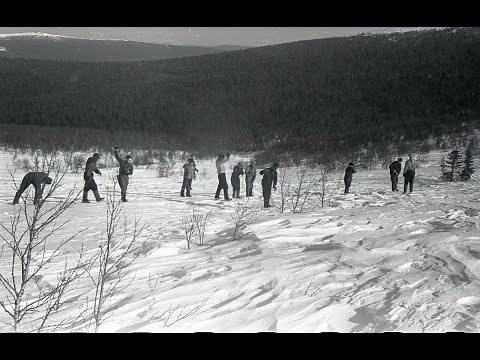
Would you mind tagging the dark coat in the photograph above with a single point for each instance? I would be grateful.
(395, 168)
(91, 167)
(349, 171)
(37, 178)
(266, 184)
(272, 176)
(125, 167)
(235, 178)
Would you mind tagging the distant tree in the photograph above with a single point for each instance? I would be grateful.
(468, 168)
(444, 170)
(166, 163)
(78, 162)
(454, 164)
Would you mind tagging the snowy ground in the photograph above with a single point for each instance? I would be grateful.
(374, 261)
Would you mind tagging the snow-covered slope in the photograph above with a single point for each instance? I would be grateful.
(373, 261)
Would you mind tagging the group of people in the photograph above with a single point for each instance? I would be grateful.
(39, 178)
(395, 169)
(269, 180)
(125, 169)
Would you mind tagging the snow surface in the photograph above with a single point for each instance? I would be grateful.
(374, 261)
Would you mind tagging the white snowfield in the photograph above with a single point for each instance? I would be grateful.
(374, 261)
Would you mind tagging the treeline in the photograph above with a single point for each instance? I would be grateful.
(327, 95)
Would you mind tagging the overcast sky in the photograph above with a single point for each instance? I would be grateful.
(204, 36)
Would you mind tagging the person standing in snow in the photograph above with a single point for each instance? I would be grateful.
(37, 179)
(349, 171)
(250, 174)
(408, 173)
(395, 168)
(90, 184)
(222, 179)
(266, 187)
(235, 179)
(188, 176)
(272, 175)
(125, 169)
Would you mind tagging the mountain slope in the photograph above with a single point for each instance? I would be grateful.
(313, 95)
(56, 47)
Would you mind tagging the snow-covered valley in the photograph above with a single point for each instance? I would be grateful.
(372, 261)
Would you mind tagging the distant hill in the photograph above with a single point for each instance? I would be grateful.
(318, 95)
(55, 47)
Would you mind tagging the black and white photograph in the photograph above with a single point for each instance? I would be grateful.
(243, 179)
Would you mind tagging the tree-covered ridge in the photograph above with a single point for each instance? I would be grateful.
(307, 95)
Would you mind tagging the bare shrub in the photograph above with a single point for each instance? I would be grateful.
(283, 183)
(30, 255)
(143, 157)
(315, 287)
(300, 190)
(78, 162)
(178, 313)
(324, 186)
(118, 249)
(243, 216)
(24, 164)
(194, 224)
(154, 283)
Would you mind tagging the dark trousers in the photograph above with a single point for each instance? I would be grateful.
(222, 184)
(236, 187)
(26, 182)
(348, 182)
(187, 184)
(409, 177)
(266, 196)
(90, 183)
(123, 182)
(235, 180)
(394, 179)
(249, 187)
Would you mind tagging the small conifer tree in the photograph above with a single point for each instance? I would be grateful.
(443, 169)
(454, 164)
(468, 168)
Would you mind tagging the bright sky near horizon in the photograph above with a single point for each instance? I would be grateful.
(205, 36)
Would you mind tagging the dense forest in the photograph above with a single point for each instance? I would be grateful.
(310, 96)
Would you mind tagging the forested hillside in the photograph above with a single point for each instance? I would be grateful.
(310, 95)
